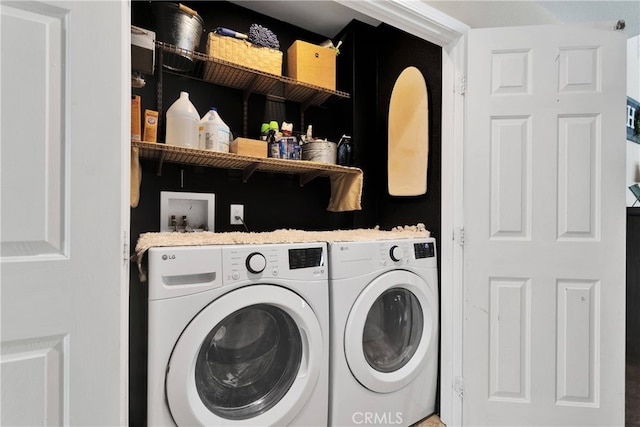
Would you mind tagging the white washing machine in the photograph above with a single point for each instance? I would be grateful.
(238, 335)
(384, 331)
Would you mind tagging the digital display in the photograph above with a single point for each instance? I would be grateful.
(424, 250)
(305, 258)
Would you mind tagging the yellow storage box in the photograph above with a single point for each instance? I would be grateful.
(312, 64)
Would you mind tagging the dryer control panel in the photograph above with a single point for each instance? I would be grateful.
(349, 259)
(400, 253)
(424, 250)
(411, 252)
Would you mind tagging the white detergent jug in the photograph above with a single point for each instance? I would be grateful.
(182, 123)
(214, 132)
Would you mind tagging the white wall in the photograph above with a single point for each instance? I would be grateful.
(633, 90)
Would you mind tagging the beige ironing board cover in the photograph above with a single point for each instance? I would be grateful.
(408, 135)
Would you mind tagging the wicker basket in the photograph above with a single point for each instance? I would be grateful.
(244, 53)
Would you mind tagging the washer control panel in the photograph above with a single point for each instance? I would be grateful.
(255, 262)
(286, 261)
(306, 257)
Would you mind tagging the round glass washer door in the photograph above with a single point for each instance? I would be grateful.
(390, 328)
(251, 357)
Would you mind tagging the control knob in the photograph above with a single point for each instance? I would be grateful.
(256, 263)
(395, 253)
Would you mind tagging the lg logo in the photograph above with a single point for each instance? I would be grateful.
(166, 257)
(375, 418)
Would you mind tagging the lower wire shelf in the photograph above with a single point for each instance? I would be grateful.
(307, 170)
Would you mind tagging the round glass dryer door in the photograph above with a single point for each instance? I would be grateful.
(249, 358)
(390, 328)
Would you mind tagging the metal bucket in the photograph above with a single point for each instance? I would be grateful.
(320, 151)
(180, 26)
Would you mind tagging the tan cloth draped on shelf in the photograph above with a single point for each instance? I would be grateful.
(346, 192)
(136, 177)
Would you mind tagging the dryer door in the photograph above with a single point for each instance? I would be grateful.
(251, 357)
(391, 331)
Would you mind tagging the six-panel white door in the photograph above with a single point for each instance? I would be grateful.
(64, 196)
(544, 277)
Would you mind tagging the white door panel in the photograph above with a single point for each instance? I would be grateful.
(544, 227)
(64, 119)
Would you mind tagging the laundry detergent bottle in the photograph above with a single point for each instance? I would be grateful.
(214, 132)
(182, 123)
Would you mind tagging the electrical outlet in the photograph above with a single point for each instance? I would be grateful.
(237, 211)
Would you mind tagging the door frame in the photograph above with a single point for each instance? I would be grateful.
(432, 25)
(57, 339)
(125, 210)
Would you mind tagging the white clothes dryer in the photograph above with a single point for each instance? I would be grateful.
(238, 335)
(384, 331)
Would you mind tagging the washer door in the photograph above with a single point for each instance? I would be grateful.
(251, 357)
(389, 331)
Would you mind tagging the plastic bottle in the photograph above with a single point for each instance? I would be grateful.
(214, 132)
(182, 123)
(309, 134)
(345, 151)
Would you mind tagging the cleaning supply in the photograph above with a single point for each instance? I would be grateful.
(309, 135)
(150, 132)
(345, 151)
(287, 129)
(136, 133)
(264, 131)
(273, 145)
(182, 123)
(273, 126)
(214, 132)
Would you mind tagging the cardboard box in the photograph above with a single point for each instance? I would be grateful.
(249, 147)
(136, 118)
(150, 130)
(312, 64)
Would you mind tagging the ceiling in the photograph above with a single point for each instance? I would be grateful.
(327, 17)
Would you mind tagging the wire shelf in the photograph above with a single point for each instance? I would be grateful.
(190, 156)
(213, 70)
